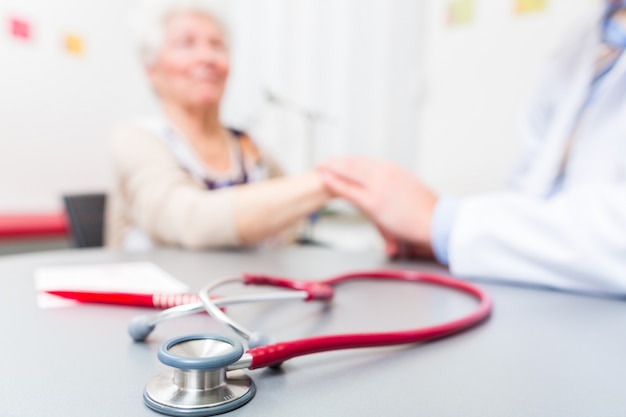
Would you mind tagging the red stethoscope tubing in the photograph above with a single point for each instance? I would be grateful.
(279, 352)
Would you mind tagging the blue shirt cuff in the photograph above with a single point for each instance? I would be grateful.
(441, 227)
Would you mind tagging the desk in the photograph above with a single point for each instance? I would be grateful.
(541, 353)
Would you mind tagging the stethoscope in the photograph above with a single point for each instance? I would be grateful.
(205, 376)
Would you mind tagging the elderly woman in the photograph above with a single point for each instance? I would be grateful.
(183, 178)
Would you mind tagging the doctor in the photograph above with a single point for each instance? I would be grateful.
(563, 223)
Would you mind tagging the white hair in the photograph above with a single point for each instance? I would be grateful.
(148, 20)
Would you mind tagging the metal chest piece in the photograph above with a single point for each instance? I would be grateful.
(198, 384)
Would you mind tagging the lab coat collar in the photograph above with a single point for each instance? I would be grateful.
(577, 59)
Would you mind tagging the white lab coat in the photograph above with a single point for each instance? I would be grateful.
(574, 239)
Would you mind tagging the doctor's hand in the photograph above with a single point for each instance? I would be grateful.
(398, 203)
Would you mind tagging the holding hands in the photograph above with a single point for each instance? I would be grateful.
(398, 203)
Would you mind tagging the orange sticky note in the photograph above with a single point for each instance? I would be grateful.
(529, 6)
(74, 44)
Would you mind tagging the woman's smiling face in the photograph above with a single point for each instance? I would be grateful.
(192, 66)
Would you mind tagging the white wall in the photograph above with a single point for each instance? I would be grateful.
(387, 77)
(353, 61)
(478, 79)
(57, 109)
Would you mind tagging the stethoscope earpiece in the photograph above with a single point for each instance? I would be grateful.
(258, 339)
(198, 383)
(140, 327)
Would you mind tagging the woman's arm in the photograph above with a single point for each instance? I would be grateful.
(168, 205)
(266, 208)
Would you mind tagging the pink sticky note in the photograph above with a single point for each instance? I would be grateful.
(20, 28)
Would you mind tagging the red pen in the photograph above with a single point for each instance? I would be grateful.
(160, 301)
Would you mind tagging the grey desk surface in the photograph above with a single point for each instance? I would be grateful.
(541, 354)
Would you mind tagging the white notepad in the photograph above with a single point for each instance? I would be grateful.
(131, 277)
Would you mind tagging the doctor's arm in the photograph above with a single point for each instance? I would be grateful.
(574, 241)
(399, 204)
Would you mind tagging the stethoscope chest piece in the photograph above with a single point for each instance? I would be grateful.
(198, 384)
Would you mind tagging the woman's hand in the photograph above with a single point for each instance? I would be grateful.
(398, 203)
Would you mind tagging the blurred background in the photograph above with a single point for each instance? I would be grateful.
(435, 85)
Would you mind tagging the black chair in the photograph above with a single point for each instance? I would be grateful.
(85, 213)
